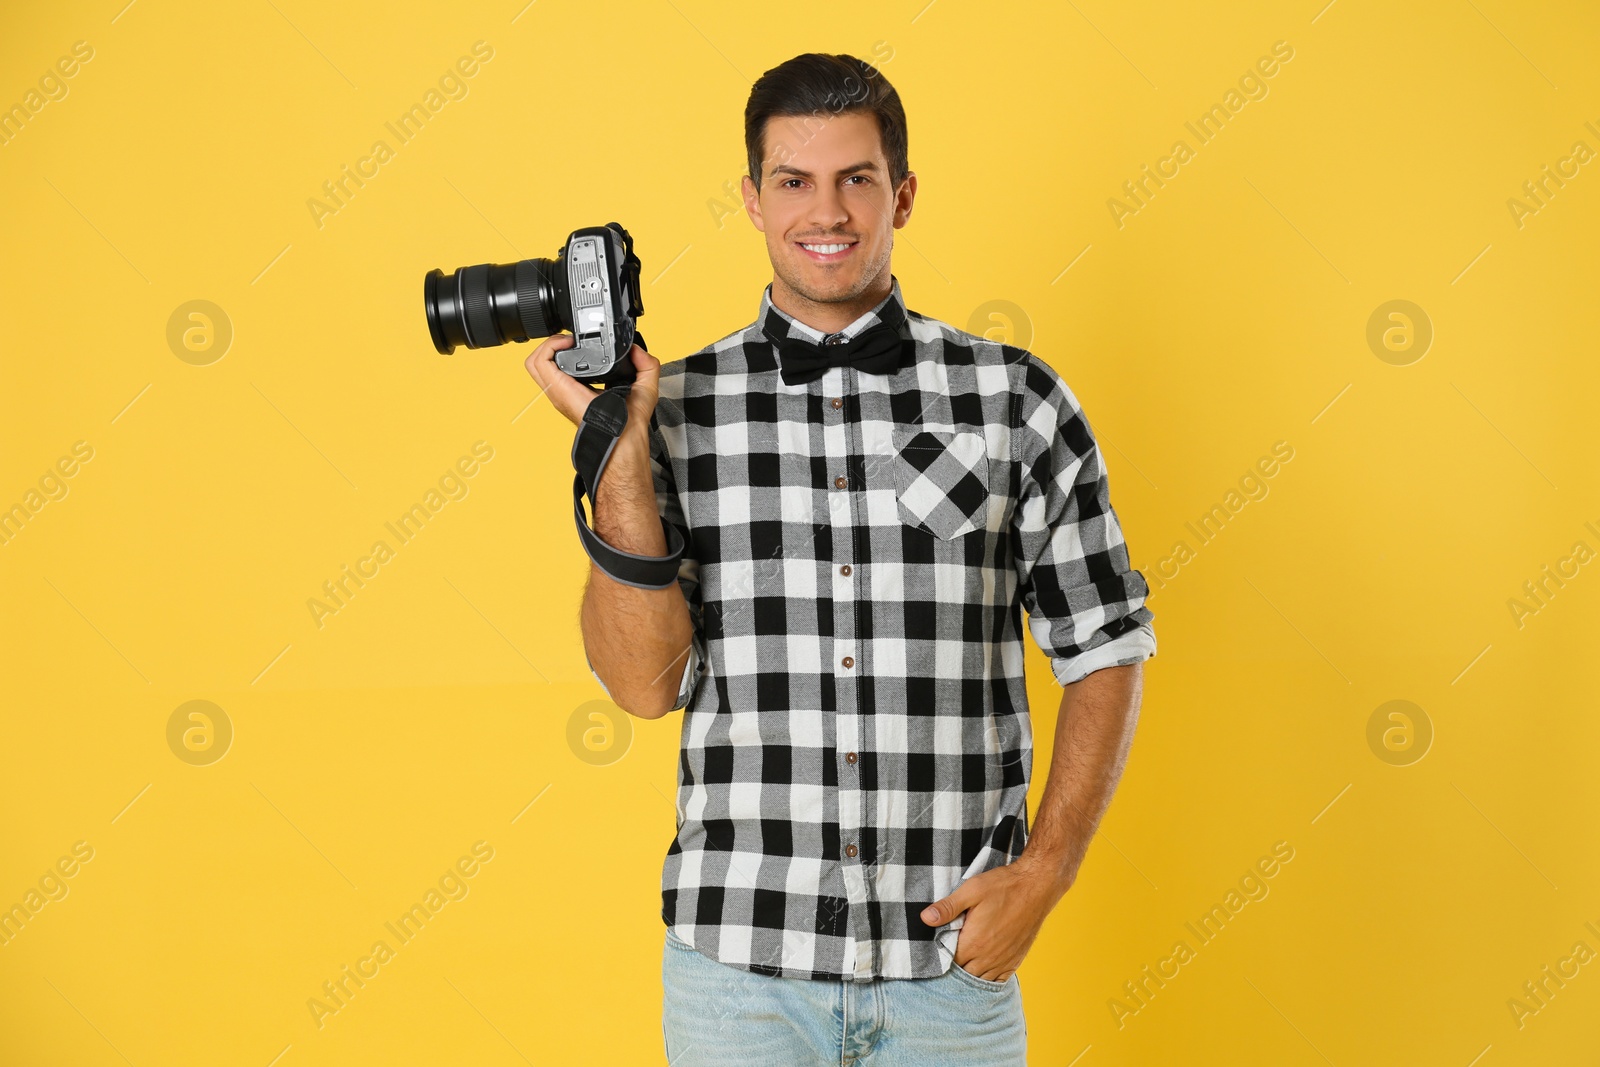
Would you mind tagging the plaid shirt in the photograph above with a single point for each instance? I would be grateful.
(856, 740)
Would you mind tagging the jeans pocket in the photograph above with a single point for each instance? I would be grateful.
(964, 975)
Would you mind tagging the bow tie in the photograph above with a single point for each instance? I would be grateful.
(879, 350)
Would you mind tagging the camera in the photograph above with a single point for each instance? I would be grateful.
(591, 289)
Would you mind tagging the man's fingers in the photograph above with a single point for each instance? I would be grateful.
(570, 397)
(643, 360)
(541, 363)
(647, 369)
(990, 970)
(941, 912)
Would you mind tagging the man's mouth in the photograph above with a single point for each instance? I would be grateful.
(827, 251)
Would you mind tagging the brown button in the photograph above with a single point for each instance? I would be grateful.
(838, 403)
(848, 662)
(839, 482)
(849, 757)
(845, 570)
(850, 850)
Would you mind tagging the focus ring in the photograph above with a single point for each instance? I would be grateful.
(531, 286)
(475, 298)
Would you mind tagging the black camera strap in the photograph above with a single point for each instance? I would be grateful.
(597, 436)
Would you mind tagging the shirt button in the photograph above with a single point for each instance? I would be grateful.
(837, 402)
(848, 662)
(850, 850)
(849, 757)
(839, 482)
(845, 570)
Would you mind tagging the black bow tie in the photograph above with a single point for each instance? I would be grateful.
(879, 350)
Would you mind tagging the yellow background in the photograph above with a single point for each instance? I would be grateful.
(435, 709)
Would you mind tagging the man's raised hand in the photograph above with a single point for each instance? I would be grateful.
(572, 398)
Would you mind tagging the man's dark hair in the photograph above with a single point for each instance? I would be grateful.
(819, 84)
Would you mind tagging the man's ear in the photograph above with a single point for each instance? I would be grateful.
(903, 198)
(752, 203)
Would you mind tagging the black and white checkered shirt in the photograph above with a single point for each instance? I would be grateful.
(856, 741)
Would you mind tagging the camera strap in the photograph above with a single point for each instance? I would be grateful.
(601, 426)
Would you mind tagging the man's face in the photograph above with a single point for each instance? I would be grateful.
(825, 184)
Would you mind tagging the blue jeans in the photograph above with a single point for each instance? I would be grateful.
(714, 1015)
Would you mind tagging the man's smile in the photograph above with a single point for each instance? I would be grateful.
(827, 251)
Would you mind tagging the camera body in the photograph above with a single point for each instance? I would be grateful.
(591, 289)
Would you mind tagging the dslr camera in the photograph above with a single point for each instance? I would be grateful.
(590, 289)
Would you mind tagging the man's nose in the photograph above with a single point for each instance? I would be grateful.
(827, 208)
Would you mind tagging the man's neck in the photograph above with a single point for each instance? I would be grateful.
(828, 318)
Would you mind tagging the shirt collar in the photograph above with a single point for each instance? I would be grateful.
(779, 325)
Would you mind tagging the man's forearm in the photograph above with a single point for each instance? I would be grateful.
(1093, 733)
(636, 639)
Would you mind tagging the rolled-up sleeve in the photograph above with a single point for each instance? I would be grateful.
(1085, 604)
(671, 509)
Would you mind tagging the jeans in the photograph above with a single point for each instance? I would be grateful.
(715, 1015)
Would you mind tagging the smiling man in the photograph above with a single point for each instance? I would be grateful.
(870, 498)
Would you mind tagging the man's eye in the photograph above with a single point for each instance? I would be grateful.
(863, 177)
(786, 183)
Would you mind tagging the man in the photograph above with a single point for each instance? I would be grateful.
(869, 499)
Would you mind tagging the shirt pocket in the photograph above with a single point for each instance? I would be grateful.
(941, 480)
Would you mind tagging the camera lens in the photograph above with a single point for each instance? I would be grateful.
(493, 303)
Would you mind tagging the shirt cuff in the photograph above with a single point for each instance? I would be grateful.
(1135, 646)
(685, 684)
(691, 676)
(597, 680)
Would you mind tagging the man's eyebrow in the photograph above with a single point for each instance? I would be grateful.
(784, 168)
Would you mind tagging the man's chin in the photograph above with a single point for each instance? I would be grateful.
(836, 290)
